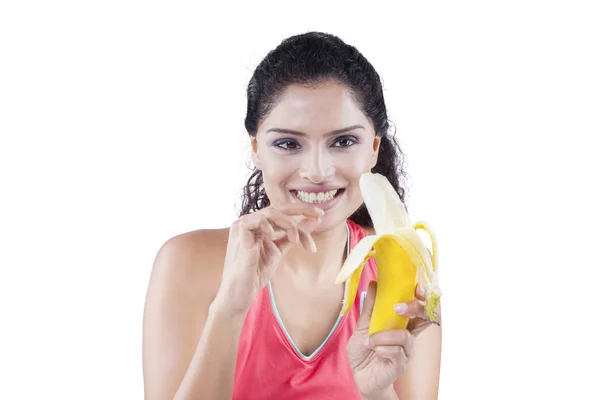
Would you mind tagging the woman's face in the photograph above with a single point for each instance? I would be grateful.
(313, 147)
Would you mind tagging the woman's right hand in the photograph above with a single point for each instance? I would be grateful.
(257, 242)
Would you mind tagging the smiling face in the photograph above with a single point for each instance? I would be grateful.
(315, 144)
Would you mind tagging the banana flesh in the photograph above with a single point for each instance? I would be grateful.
(402, 258)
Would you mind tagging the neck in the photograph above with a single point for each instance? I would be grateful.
(326, 262)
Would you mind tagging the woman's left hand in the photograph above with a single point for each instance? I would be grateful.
(378, 361)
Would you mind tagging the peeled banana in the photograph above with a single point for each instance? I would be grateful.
(402, 258)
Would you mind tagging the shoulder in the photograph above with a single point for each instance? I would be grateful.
(185, 278)
(201, 242)
(191, 263)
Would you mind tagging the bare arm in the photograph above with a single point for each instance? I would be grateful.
(190, 347)
(421, 379)
(211, 372)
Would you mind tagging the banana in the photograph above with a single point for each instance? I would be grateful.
(401, 256)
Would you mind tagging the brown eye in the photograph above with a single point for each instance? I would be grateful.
(287, 144)
(345, 142)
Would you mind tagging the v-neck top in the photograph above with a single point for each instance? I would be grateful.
(270, 366)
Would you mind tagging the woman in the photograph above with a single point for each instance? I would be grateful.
(252, 311)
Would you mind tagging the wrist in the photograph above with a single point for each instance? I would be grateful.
(222, 306)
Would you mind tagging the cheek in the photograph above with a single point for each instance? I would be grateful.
(351, 170)
(353, 167)
(276, 169)
(276, 173)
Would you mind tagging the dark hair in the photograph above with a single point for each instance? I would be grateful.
(310, 59)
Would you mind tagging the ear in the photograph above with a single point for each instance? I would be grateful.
(376, 145)
(254, 154)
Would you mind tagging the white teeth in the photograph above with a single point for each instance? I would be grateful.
(312, 197)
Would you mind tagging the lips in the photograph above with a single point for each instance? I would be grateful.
(315, 197)
(325, 205)
(316, 189)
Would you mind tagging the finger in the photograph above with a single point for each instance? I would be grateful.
(283, 242)
(278, 235)
(245, 228)
(303, 217)
(411, 309)
(281, 221)
(303, 237)
(270, 250)
(292, 232)
(284, 221)
(266, 227)
(409, 346)
(390, 339)
(421, 292)
(365, 318)
(309, 224)
(304, 209)
(307, 240)
(390, 352)
(305, 226)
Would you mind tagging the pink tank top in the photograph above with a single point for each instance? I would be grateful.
(269, 366)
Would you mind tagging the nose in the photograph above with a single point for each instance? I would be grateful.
(318, 166)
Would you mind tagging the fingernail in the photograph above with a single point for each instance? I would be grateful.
(400, 308)
(313, 247)
(422, 290)
(367, 341)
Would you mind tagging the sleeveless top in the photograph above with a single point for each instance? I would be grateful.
(269, 365)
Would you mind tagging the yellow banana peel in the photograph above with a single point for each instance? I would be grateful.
(402, 258)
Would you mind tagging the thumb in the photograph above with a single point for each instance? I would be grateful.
(309, 224)
(365, 317)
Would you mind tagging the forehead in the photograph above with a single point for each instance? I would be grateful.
(315, 109)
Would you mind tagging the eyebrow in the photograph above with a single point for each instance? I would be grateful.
(335, 132)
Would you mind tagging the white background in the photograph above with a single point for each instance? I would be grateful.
(122, 125)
